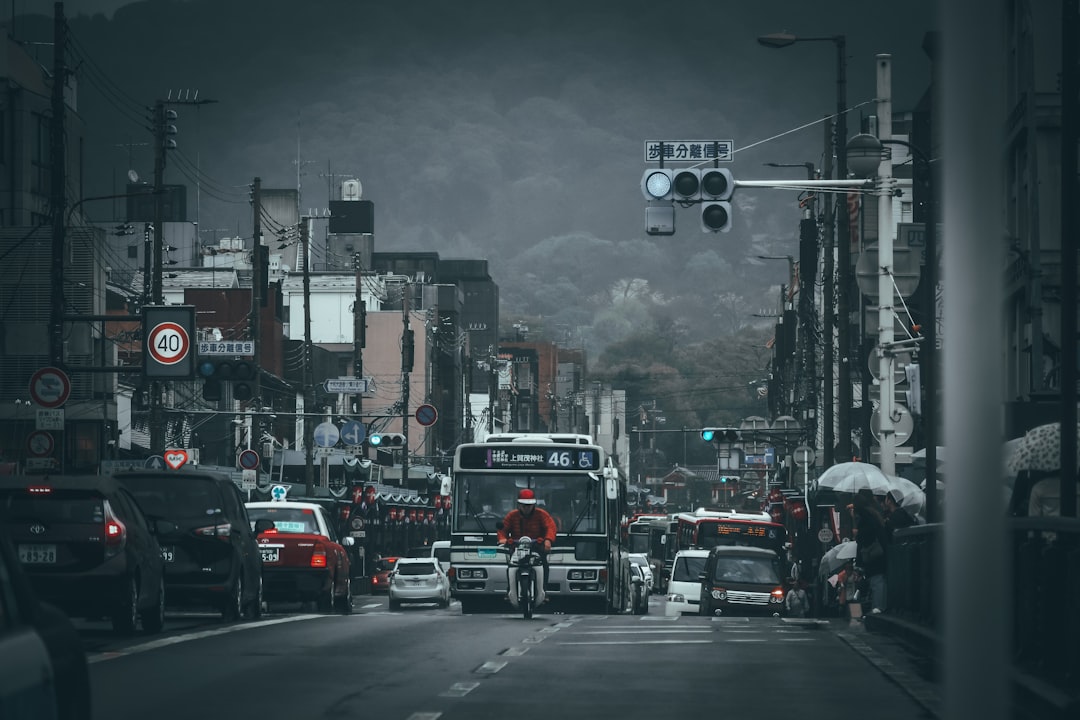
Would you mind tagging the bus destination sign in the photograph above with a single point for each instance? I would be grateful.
(528, 457)
(723, 529)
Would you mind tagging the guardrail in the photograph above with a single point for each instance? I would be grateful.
(1045, 602)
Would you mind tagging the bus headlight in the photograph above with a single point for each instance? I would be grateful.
(581, 575)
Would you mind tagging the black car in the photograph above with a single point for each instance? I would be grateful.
(87, 547)
(43, 669)
(211, 554)
(743, 580)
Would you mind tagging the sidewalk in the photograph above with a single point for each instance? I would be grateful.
(908, 654)
(904, 653)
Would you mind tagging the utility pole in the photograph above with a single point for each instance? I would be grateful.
(58, 195)
(309, 377)
(843, 259)
(359, 331)
(828, 271)
(258, 280)
(157, 409)
(407, 350)
(886, 418)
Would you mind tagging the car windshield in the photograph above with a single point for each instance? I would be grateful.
(286, 519)
(747, 570)
(57, 506)
(687, 568)
(416, 568)
(175, 497)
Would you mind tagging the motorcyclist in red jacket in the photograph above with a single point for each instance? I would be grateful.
(527, 520)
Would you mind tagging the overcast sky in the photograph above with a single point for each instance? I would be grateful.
(507, 130)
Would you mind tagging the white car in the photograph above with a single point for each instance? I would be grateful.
(642, 561)
(418, 580)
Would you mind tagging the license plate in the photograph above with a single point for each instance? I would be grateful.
(269, 555)
(37, 554)
(168, 555)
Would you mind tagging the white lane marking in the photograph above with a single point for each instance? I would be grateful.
(515, 651)
(370, 605)
(532, 640)
(176, 639)
(490, 667)
(641, 642)
(639, 631)
(548, 630)
(460, 689)
(425, 716)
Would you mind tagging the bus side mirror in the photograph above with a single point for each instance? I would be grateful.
(611, 488)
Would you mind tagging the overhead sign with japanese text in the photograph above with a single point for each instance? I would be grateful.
(692, 151)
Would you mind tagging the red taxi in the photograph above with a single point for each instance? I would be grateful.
(380, 580)
(303, 557)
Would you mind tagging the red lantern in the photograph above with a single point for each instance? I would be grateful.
(438, 502)
(798, 511)
(412, 515)
(430, 516)
(369, 493)
(777, 514)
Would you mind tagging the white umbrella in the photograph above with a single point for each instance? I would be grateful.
(851, 477)
(837, 555)
(907, 494)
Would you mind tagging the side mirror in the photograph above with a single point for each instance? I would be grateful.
(263, 524)
(701, 577)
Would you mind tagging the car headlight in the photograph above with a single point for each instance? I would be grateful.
(581, 575)
(676, 597)
(718, 594)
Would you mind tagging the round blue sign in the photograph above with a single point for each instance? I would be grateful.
(353, 433)
(326, 434)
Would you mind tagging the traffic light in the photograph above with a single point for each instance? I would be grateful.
(717, 186)
(239, 373)
(686, 185)
(717, 434)
(390, 441)
(656, 184)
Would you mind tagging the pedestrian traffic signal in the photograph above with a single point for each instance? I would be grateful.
(386, 440)
(913, 395)
(656, 184)
(719, 434)
(237, 372)
(717, 187)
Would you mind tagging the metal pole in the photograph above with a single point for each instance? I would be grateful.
(309, 376)
(843, 259)
(828, 321)
(886, 416)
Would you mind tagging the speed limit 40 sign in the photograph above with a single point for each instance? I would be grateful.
(168, 330)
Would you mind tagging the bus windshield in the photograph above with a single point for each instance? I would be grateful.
(483, 499)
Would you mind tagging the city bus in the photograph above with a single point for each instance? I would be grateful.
(589, 561)
(705, 529)
(638, 532)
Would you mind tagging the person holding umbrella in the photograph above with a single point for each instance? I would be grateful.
(872, 537)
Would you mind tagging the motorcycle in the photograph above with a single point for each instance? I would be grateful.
(525, 576)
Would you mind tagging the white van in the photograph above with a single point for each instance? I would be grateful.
(440, 550)
(684, 587)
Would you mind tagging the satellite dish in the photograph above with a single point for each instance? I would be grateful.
(133, 176)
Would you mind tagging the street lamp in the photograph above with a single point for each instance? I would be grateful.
(843, 258)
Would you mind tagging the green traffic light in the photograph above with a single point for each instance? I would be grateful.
(708, 434)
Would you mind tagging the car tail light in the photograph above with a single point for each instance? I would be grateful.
(451, 573)
(115, 532)
(318, 556)
(39, 489)
(222, 531)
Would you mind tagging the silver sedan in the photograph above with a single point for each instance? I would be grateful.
(418, 580)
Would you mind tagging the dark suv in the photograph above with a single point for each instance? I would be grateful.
(211, 555)
(743, 580)
(87, 547)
